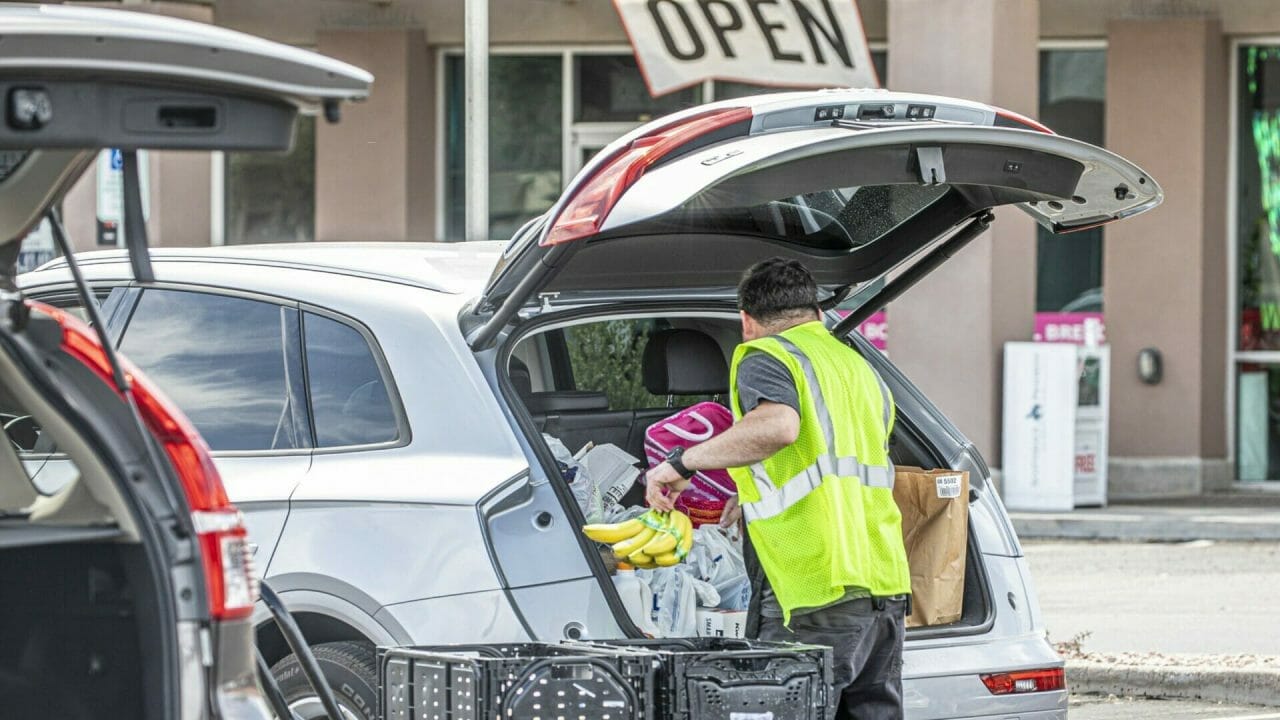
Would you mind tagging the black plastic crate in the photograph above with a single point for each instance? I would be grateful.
(717, 678)
(529, 681)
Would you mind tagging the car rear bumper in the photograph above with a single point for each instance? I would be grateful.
(1034, 715)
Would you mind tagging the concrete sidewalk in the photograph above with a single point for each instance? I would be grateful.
(1240, 515)
(1215, 678)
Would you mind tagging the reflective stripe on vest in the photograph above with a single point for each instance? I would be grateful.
(774, 500)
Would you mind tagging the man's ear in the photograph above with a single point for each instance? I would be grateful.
(748, 326)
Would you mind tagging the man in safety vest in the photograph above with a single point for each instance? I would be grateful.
(809, 451)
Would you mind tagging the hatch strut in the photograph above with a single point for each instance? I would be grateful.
(135, 226)
(909, 277)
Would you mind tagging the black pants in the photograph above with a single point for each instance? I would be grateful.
(866, 636)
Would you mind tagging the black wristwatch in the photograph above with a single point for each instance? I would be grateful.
(676, 458)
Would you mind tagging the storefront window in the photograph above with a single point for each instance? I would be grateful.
(1073, 103)
(1258, 235)
(1257, 320)
(610, 88)
(525, 153)
(726, 89)
(271, 197)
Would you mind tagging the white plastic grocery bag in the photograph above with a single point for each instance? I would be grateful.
(676, 596)
(718, 560)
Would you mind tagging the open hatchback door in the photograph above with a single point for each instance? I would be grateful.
(77, 80)
(851, 182)
(136, 566)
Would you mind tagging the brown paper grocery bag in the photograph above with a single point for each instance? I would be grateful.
(935, 530)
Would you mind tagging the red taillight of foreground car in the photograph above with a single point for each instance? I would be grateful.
(1026, 681)
(587, 210)
(225, 553)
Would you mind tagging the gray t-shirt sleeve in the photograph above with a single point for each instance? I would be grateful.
(763, 377)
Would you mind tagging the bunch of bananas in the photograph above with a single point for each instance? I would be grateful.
(655, 539)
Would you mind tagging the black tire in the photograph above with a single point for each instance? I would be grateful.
(351, 671)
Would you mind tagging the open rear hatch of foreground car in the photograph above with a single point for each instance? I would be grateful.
(121, 594)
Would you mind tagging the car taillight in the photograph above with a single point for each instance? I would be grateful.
(1024, 121)
(1026, 681)
(224, 549)
(587, 210)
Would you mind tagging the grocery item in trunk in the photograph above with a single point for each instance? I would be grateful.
(611, 469)
(636, 597)
(935, 530)
(677, 594)
(654, 539)
(708, 490)
(713, 622)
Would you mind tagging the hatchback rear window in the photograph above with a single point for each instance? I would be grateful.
(833, 219)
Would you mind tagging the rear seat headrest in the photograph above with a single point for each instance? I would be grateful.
(521, 378)
(684, 362)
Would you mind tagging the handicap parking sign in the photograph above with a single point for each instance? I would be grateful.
(117, 160)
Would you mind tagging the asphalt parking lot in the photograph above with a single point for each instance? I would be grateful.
(1200, 597)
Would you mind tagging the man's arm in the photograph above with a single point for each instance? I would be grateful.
(758, 435)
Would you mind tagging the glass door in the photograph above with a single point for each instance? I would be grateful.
(1256, 311)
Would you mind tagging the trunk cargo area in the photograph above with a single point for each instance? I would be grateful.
(75, 631)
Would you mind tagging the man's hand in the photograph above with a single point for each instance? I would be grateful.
(662, 486)
(732, 512)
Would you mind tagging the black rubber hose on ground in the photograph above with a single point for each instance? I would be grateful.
(298, 644)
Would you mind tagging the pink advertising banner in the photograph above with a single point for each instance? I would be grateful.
(1074, 328)
(874, 329)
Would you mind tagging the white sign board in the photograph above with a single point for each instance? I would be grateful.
(790, 43)
(1038, 464)
(37, 248)
(110, 194)
(1092, 407)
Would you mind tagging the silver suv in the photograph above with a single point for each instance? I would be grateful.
(377, 410)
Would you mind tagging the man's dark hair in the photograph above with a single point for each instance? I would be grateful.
(777, 289)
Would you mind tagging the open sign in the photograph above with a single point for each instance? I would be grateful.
(798, 43)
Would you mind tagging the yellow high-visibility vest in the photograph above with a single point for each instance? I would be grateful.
(820, 512)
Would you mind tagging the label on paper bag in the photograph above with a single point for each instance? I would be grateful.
(948, 486)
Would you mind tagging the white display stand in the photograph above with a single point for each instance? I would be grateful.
(1092, 418)
(1251, 458)
(1040, 391)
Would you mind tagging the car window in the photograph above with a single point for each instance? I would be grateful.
(608, 357)
(223, 360)
(31, 464)
(838, 218)
(69, 300)
(350, 404)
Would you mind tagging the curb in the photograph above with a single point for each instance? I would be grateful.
(1031, 526)
(1214, 684)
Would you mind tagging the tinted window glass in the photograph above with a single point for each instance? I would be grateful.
(834, 219)
(607, 357)
(349, 399)
(222, 360)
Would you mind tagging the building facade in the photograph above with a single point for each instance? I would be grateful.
(1188, 89)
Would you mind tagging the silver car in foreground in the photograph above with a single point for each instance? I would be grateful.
(377, 411)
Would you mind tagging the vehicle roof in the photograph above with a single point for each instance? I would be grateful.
(444, 267)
